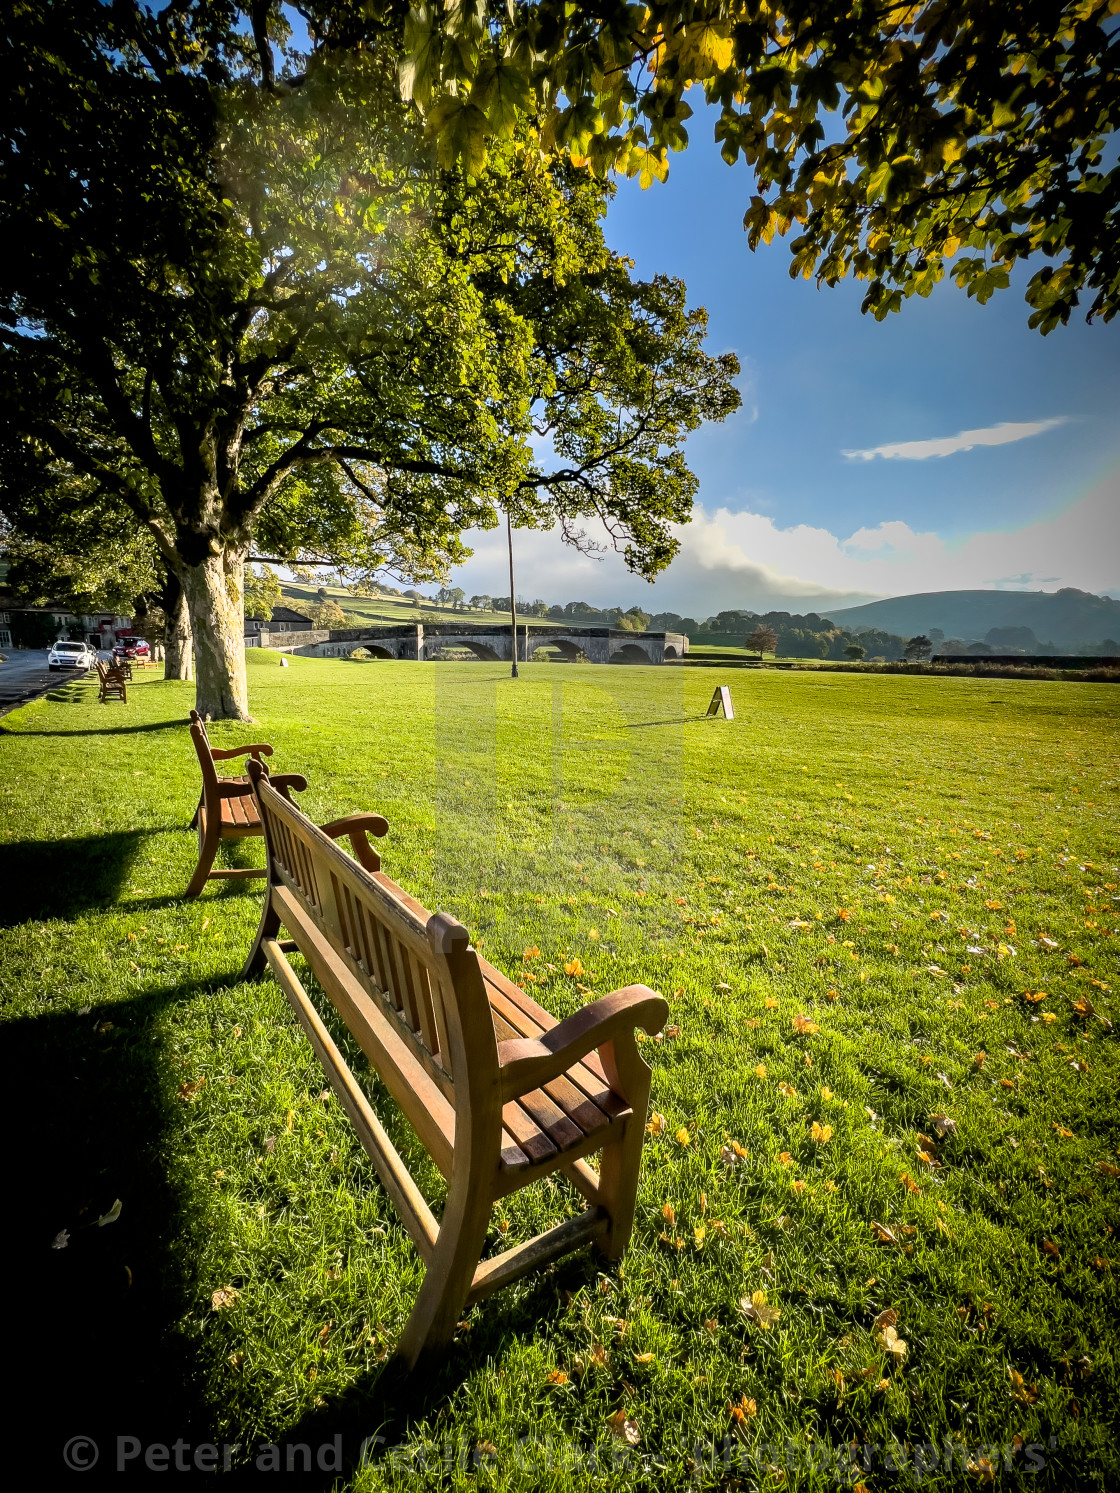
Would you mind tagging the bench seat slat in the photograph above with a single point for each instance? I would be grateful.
(580, 1075)
(240, 814)
(560, 1130)
(537, 1014)
(527, 1134)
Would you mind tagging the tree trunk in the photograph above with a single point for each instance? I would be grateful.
(215, 598)
(178, 658)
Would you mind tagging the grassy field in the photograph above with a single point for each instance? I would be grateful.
(884, 912)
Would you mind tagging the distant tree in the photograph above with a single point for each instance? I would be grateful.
(262, 592)
(328, 614)
(33, 629)
(918, 649)
(666, 621)
(634, 620)
(936, 636)
(855, 652)
(762, 640)
(977, 648)
(500, 603)
(456, 596)
(1014, 638)
(557, 613)
(481, 603)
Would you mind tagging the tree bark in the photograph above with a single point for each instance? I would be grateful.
(178, 658)
(216, 601)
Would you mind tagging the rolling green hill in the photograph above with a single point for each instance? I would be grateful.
(1066, 617)
(386, 609)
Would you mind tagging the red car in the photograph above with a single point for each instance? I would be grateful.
(131, 648)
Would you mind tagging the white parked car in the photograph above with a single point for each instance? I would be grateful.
(71, 656)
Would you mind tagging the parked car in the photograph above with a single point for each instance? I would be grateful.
(131, 648)
(71, 656)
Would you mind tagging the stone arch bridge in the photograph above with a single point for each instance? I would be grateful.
(489, 641)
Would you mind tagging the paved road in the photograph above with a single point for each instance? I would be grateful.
(25, 676)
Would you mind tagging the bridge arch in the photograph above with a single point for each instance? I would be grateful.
(630, 653)
(568, 650)
(483, 651)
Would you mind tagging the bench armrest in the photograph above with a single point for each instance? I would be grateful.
(282, 781)
(359, 827)
(225, 754)
(528, 1062)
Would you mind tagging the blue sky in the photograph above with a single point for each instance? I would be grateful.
(784, 517)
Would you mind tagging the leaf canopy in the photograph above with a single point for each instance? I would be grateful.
(894, 142)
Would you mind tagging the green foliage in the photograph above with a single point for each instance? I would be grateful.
(33, 629)
(244, 310)
(761, 640)
(962, 138)
(328, 614)
(919, 648)
(797, 636)
(63, 545)
(262, 591)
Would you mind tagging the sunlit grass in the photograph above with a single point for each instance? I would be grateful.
(871, 901)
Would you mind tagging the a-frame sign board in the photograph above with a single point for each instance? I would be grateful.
(721, 698)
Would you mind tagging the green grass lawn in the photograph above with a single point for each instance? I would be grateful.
(883, 910)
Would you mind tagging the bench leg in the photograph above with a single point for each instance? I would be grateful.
(451, 1268)
(269, 927)
(629, 1075)
(207, 849)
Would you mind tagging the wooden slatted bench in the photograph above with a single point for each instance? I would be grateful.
(499, 1092)
(226, 808)
(111, 683)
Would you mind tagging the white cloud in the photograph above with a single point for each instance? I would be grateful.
(739, 559)
(992, 435)
(743, 559)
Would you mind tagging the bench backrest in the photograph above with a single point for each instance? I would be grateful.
(205, 758)
(418, 968)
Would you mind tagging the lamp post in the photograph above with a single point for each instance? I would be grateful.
(512, 596)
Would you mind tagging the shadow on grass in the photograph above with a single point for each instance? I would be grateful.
(674, 720)
(387, 1404)
(92, 1307)
(64, 878)
(177, 725)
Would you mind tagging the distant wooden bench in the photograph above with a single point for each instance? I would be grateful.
(499, 1092)
(111, 683)
(226, 808)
